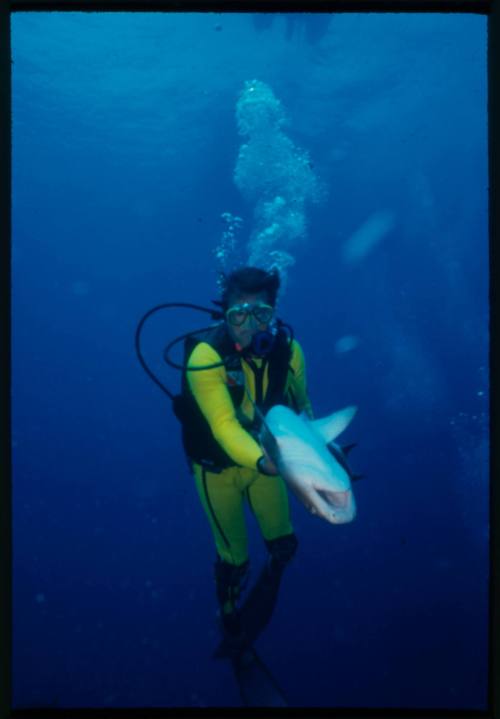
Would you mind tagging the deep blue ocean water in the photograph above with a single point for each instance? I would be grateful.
(125, 143)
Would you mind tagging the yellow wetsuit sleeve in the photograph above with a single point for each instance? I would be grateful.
(297, 380)
(209, 388)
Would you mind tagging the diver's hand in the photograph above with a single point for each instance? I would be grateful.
(266, 466)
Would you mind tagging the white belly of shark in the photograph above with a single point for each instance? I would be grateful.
(298, 447)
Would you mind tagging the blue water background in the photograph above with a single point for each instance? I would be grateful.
(124, 146)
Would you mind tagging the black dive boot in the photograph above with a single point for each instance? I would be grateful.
(258, 608)
(230, 580)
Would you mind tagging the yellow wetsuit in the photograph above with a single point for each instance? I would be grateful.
(223, 494)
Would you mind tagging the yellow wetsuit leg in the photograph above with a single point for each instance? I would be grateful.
(268, 500)
(222, 496)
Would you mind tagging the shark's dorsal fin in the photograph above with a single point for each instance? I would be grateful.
(330, 427)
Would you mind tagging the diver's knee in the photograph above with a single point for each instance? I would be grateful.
(282, 550)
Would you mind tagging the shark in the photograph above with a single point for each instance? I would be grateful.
(312, 464)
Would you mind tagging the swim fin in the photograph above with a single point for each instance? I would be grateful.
(258, 687)
(254, 615)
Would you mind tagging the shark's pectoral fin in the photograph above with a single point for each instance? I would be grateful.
(330, 427)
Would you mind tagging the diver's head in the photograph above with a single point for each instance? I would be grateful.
(248, 300)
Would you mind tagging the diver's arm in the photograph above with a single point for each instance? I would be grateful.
(298, 381)
(213, 398)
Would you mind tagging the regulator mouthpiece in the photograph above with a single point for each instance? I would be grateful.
(262, 343)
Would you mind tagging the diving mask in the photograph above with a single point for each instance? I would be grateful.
(238, 314)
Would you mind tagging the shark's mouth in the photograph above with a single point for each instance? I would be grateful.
(338, 500)
(335, 507)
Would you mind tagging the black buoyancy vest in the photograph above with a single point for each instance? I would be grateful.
(198, 440)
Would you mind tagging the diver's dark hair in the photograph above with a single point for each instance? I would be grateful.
(250, 280)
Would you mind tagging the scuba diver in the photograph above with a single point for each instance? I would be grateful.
(251, 362)
(233, 372)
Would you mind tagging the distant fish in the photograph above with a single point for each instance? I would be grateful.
(366, 237)
(346, 344)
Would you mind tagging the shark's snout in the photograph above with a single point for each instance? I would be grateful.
(335, 507)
